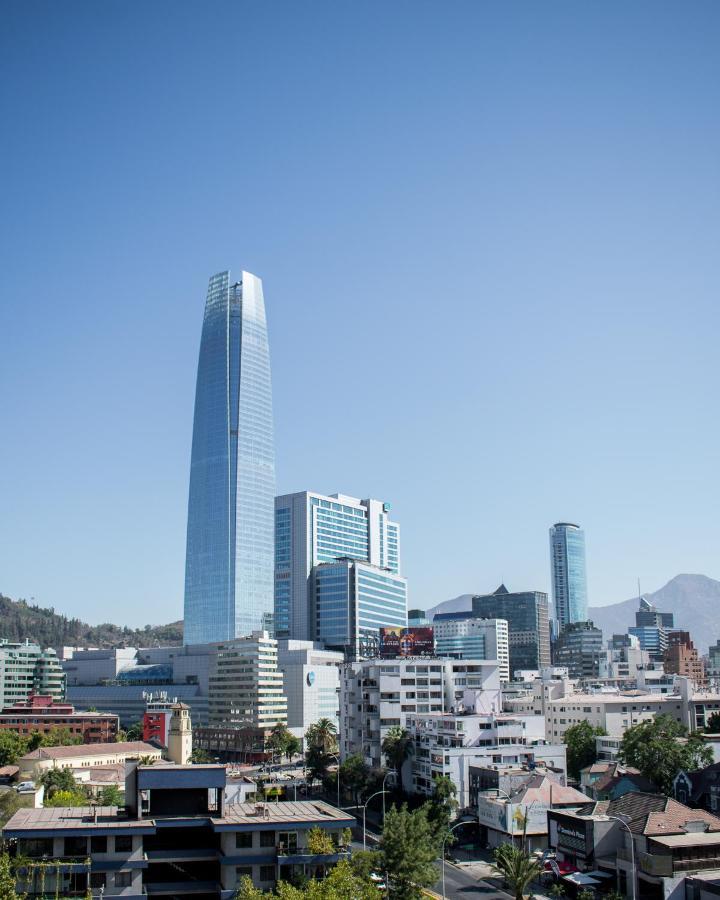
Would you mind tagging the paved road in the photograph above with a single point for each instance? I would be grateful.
(460, 884)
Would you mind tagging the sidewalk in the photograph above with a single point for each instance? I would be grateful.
(482, 870)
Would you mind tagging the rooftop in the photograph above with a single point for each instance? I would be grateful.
(82, 750)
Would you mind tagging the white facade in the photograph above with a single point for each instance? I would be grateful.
(377, 695)
(475, 639)
(312, 683)
(311, 529)
(25, 668)
(614, 713)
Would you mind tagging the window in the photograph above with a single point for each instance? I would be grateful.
(98, 844)
(123, 843)
(267, 839)
(123, 879)
(288, 841)
(97, 880)
(36, 847)
(243, 871)
(243, 840)
(75, 846)
(267, 873)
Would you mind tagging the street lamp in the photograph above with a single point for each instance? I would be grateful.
(376, 794)
(632, 848)
(447, 835)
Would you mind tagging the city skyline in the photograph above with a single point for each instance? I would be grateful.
(492, 271)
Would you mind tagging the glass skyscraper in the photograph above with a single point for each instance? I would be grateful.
(230, 531)
(569, 581)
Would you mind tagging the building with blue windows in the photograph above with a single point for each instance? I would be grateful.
(569, 578)
(229, 557)
(312, 529)
(460, 635)
(352, 601)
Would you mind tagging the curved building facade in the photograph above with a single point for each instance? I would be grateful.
(569, 579)
(230, 531)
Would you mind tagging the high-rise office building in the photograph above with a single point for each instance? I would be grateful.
(462, 636)
(311, 529)
(569, 579)
(579, 648)
(526, 613)
(229, 559)
(652, 628)
(352, 601)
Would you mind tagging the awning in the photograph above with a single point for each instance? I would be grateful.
(580, 878)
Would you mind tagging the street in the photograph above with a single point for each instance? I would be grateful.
(459, 884)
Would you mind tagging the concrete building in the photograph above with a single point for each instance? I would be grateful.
(579, 648)
(526, 613)
(682, 658)
(25, 669)
(461, 636)
(84, 756)
(42, 715)
(246, 685)
(311, 683)
(176, 837)
(623, 659)
(376, 695)
(312, 529)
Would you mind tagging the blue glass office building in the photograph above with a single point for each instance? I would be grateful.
(569, 580)
(230, 531)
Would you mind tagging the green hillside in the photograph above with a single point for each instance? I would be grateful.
(20, 620)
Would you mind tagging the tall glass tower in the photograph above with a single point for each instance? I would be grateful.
(230, 531)
(569, 580)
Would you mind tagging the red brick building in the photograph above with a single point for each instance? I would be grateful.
(39, 713)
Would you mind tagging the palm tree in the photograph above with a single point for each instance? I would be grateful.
(517, 868)
(397, 747)
(322, 734)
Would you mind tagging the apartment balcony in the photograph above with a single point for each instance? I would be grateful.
(182, 888)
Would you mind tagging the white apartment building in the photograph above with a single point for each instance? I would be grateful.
(246, 685)
(613, 712)
(467, 637)
(25, 668)
(448, 745)
(376, 695)
(311, 683)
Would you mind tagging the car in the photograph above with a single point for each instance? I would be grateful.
(25, 786)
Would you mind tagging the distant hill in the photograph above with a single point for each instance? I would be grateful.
(463, 603)
(693, 599)
(20, 620)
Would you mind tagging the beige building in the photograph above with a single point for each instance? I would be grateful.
(84, 756)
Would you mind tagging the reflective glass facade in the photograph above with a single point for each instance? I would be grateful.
(352, 601)
(569, 580)
(312, 529)
(230, 534)
(526, 613)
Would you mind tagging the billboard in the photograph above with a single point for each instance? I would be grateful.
(417, 640)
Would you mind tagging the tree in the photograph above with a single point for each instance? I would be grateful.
(58, 780)
(397, 747)
(12, 747)
(293, 746)
(354, 775)
(317, 761)
(517, 868)
(441, 808)
(319, 842)
(7, 880)
(279, 737)
(581, 750)
(111, 796)
(364, 862)
(408, 849)
(322, 733)
(200, 757)
(67, 798)
(557, 890)
(134, 732)
(248, 891)
(9, 804)
(712, 723)
(55, 737)
(660, 748)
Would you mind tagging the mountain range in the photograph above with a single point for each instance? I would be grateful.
(694, 600)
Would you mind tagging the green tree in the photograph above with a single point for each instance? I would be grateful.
(10, 803)
(247, 890)
(279, 736)
(200, 757)
(322, 733)
(12, 747)
(712, 723)
(441, 809)
(319, 842)
(517, 868)
(7, 880)
(134, 732)
(58, 780)
(586, 895)
(557, 890)
(364, 862)
(354, 775)
(317, 761)
(111, 796)
(67, 798)
(581, 751)
(660, 748)
(408, 849)
(397, 747)
(55, 737)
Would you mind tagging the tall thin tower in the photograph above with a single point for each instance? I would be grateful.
(569, 578)
(230, 530)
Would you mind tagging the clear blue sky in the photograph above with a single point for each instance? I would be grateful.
(488, 234)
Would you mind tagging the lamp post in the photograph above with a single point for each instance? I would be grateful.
(376, 794)
(335, 756)
(449, 832)
(632, 849)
